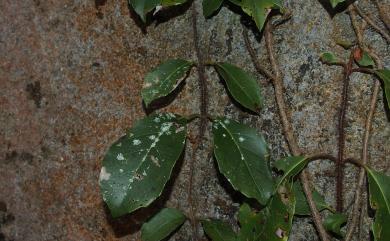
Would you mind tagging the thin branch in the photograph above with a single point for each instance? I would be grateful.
(288, 131)
(203, 119)
(363, 70)
(371, 22)
(358, 201)
(385, 18)
(260, 68)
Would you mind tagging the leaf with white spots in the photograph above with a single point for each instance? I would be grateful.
(137, 166)
(277, 217)
(379, 189)
(162, 224)
(163, 79)
(242, 157)
(241, 85)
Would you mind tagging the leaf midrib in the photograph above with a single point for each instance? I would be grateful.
(258, 188)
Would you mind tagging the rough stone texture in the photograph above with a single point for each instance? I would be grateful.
(70, 80)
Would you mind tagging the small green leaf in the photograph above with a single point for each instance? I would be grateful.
(162, 224)
(163, 79)
(250, 223)
(242, 86)
(290, 166)
(218, 230)
(334, 222)
(242, 157)
(142, 7)
(278, 215)
(384, 74)
(334, 3)
(366, 60)
(329, 58)
(137, 166)
(259, 10)
(379, 189)
(302, 207)
(346, 44)
(210, 7)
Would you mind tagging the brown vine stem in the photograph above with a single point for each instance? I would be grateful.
(359, 186)
(341, 138)
(203, 119)
(372, 23)
(385, 18)
(288, 131)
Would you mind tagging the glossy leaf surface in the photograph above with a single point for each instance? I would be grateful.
(302, 207)
(162, 224)
(259, 10)
(334, 3)
(290, 166)
(163, 79)
(242, 157)
(379, 189)
(210, 7)
(137, 166)
(334, 222)
(241, 85)
(384, 74)
(218, 230)
(142, 7)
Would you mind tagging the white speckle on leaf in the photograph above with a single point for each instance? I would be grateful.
(226, 121)
(155, 160)
(223, 135)
(144, 173)
(120, 157)
(180, 129)
(242, 157)
(279, 233)
(156, 119)
(136, 142)
(152, 137)
(165, 127)
(119, 144)
(104, 175)
(147, 85)
(121, 170)
(241, 139)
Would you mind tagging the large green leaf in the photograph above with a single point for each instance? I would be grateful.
(242, 86)
(334, 3)
(384, 74)
(290, 166)
(379, 188)
(302, 207)
(210, 7)
(142, 7)
(242, 157)
(137, 166)
(163, 79)
(334, 222)
(259, 9)
(162, 224)
(277, 217)
(218, 230)
(250, 223)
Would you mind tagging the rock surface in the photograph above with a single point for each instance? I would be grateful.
(70, 80)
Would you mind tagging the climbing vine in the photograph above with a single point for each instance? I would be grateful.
(137, 167)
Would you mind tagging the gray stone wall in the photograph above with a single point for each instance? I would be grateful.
(70, 78)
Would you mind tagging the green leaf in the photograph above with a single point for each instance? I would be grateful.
(290, 166)
(259, 10)
(241, 85)
(278, 215)
(162, 224)
(218, 230)
(335, 2)
(384, 74)
(163, 79)
(142, 7)
(333, 223)
(242, 157)
(302, 207)
(166, 3)
(366, 60)
(250, 223)
(329, 58)
(137, 166)
(379, 189)
(210, 7)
